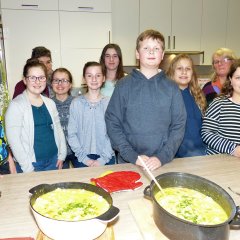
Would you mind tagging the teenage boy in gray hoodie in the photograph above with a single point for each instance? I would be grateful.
(146, 114)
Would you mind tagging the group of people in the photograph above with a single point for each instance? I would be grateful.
(149, 113)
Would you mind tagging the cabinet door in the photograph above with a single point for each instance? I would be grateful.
(74, 60)
(85, 30)
(125, 28)
(178, 20)
(233, 33)
(85, 5)
(214, 24)
(30, 4)
(156, 14)
(186, 25)
(83, 36)
(23, 30)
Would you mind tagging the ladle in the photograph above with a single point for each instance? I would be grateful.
(151, 175)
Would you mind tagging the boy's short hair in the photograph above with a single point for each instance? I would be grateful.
(41, 51)
(150, 33)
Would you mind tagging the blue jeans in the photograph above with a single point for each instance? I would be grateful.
(95, 157)
(71, 158)
(4, 168)
(43, 165)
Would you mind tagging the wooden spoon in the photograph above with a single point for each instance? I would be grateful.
(151, 175)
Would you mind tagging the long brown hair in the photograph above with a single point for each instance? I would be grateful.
(194, 87)
(120, 71)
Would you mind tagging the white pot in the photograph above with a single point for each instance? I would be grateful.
(73, 230)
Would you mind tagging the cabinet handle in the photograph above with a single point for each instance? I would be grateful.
(109, 36)
(173, 42)
(169, 42)
(29, 5)
(86, 8)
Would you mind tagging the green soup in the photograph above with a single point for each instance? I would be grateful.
(191, 205)
(71, 204)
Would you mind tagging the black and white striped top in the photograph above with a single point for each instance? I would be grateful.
(221, 126)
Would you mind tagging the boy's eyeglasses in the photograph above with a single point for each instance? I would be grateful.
(33, 79)
(58, 81)
(222, 61)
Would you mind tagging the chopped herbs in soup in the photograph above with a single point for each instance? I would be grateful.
(71, 204)
(191, 205)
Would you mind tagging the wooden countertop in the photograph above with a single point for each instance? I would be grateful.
(16, 219)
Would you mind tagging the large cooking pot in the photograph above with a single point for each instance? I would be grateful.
(73, 230)
(178, 229)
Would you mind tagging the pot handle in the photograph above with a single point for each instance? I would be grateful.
(235, 223)
(147, 192)
(38, 187)
(110, 215)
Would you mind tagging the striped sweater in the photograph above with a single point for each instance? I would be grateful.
(221, 126)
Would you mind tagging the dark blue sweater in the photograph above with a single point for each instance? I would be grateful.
(192, 144)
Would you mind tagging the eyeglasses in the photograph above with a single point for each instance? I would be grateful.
(33, 79)
(58, 81)
(222, 61)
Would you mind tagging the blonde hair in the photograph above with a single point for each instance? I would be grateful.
(194, 87)
(222, 52)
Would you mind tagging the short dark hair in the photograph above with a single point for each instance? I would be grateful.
(41, 51)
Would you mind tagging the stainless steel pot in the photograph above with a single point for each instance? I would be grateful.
(73, 230)
(178, 229)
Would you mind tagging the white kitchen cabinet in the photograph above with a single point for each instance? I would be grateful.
(85, 28)
(25, 29)
(85, 5)
(125, 28)
(178, 20)
(233, 33)
(214, 27)
(30, 4)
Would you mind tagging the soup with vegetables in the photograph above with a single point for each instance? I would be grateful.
(71, 204)
(191, 205)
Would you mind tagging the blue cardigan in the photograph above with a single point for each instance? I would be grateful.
(192, 144)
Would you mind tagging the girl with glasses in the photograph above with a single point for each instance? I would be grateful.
(33, 127)
(222, 60)
(61, 85)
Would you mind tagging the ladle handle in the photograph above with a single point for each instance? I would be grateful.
(150, 174)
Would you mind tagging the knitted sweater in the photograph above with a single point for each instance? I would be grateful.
(63, 111)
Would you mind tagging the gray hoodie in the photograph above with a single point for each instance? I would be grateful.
(146, 117)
